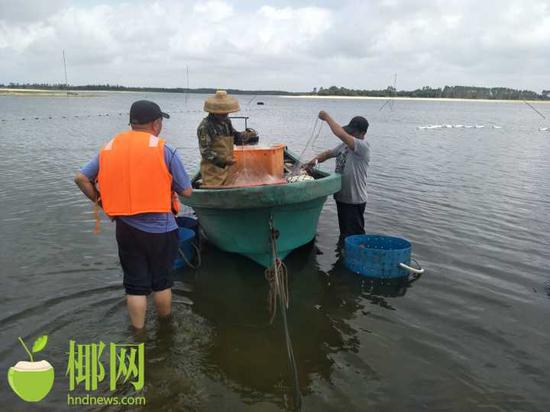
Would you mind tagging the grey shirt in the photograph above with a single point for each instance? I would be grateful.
(352, 165)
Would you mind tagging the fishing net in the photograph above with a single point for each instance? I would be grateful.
(257, 166)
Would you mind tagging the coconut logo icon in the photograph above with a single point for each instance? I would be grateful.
(33, 380)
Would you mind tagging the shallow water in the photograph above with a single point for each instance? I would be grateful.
(472, 333)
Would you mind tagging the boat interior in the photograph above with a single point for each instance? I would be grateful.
(261, 166)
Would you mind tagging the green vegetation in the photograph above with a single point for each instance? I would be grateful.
(450, 92)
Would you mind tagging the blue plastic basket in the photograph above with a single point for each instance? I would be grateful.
(186, 237)
(378, 256)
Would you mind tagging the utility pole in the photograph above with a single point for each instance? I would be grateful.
(65, 66)
(187, 91)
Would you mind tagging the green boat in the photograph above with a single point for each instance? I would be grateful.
(238, 219)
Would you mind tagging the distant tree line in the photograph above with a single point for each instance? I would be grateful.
(451, 92)
(116, 87)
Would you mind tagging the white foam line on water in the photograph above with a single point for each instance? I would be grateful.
(461, 126)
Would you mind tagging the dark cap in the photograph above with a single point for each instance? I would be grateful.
(357, 124)
(145, 111)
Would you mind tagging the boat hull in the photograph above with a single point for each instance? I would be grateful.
(247, 232)
(238, 219)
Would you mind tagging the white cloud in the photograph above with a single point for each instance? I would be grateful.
(270, 46)
(29, 10)
(213, 10)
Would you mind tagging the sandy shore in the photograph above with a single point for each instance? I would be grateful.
(434, 99)
(48, 93)
(63, 93)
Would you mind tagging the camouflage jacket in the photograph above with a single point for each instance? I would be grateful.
(209, 129)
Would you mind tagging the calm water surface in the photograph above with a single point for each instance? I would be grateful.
(471, 334)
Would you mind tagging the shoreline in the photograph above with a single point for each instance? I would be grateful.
(42, 92)
(91, 93)
(61, 93)
(433, 99)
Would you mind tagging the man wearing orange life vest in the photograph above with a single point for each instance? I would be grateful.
(138, 176)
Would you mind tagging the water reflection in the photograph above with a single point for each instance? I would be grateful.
(247, 353)
(376, 291)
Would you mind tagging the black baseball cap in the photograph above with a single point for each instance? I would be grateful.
(357, 124)
(145, 111)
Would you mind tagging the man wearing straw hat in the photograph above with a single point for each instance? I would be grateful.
(216, 138)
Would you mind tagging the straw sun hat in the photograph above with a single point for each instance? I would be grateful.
(221, 103)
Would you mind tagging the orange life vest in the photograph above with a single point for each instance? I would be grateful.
(133, 177)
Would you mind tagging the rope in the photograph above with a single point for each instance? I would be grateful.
(277, 277)
(198, 254)
(97, 218)
(315, 133)
(81, 116)
(533, 107)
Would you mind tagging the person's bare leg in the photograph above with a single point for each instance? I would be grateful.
(163, 302)
(137, 306)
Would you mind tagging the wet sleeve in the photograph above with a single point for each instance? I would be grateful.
(91, 169)
(180, 178)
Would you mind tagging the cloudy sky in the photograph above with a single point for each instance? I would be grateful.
(285, 45)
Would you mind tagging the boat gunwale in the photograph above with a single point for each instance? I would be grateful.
(263, 196)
